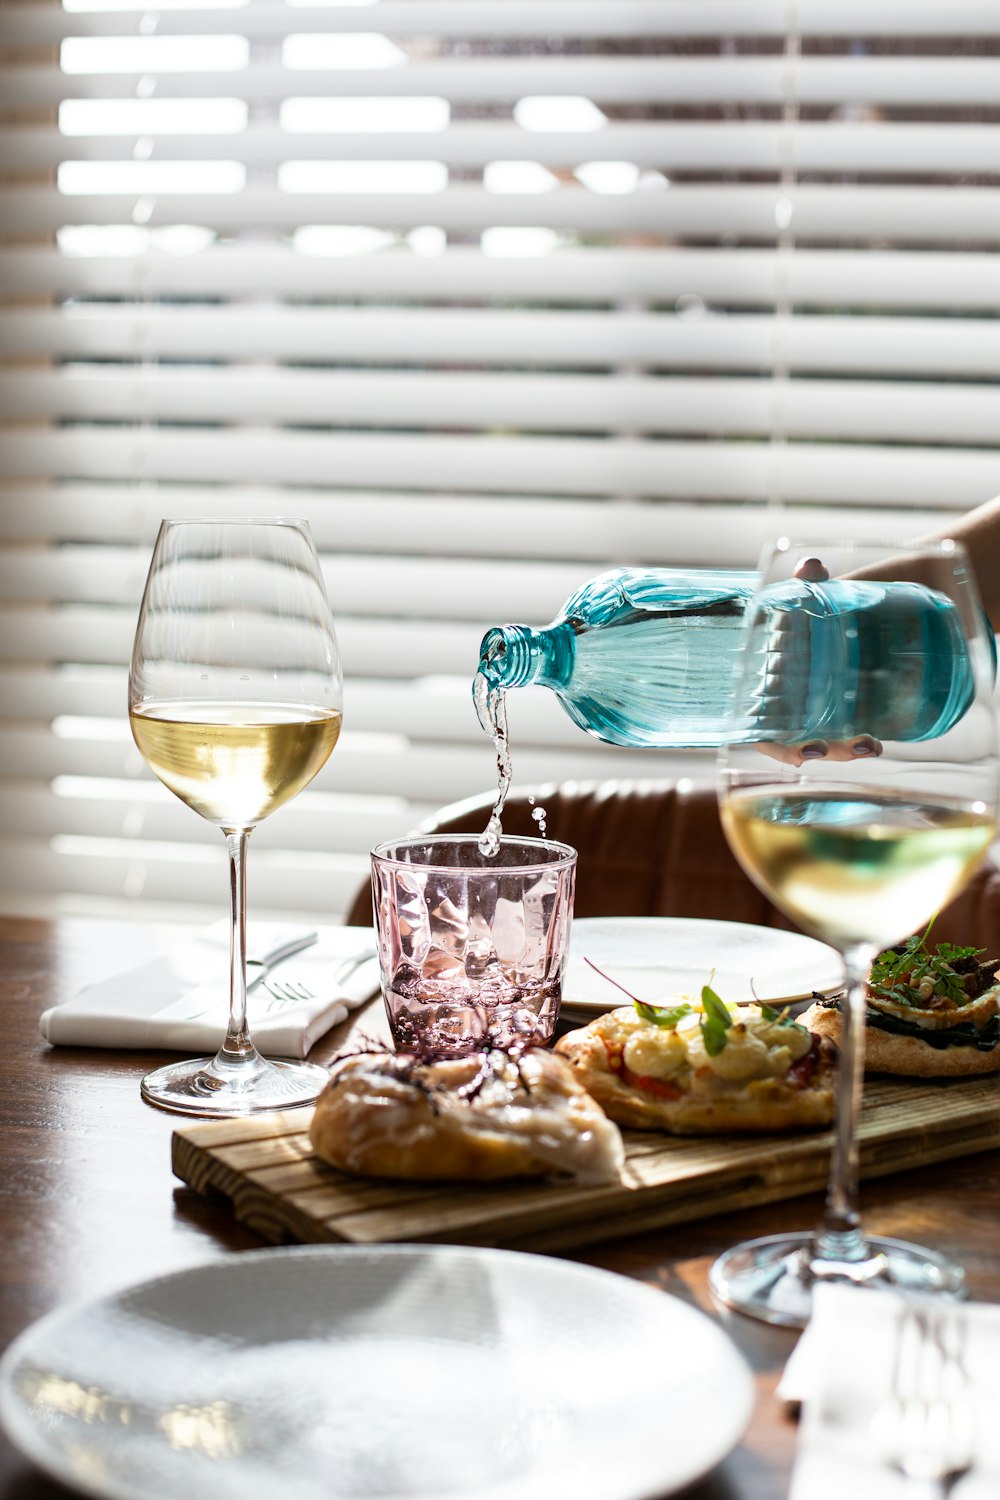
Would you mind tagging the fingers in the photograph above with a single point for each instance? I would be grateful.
(789, 755)
(865, 744)
(864, 747)
(811, 570)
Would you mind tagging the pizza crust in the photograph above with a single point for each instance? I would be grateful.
(905, 1056)
(481, 1118)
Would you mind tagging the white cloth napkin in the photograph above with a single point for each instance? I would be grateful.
(179, 1000)
(841, 1370)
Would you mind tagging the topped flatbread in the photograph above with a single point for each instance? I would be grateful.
(929, 1014)
(703, 1070)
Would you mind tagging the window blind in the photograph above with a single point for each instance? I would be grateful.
(496, 294)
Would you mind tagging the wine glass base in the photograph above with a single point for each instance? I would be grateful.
(223, 1090)
(770, 1279)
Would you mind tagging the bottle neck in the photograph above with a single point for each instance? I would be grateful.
(514, 655)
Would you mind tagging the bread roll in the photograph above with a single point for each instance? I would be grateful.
(478, 1118)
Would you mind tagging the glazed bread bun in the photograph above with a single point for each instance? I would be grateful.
(477, 1118)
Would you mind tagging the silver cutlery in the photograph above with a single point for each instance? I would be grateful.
(288, 990)
(351, 965)
(291, 991)
(927, 1426)
(285, 992)
(207, 1000)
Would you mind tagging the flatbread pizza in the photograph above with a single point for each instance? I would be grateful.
(929, 1014)
(701, 1070)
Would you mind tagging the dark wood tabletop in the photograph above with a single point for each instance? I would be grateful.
(88, 1203)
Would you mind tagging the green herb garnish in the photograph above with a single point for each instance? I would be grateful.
(662, 1015)
(781, 1017)
(897, 972)
(656, 1015)
(715, 1022)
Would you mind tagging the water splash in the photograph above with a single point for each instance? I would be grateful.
(539, 816)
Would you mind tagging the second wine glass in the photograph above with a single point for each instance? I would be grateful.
(235, 702)
(858, 789)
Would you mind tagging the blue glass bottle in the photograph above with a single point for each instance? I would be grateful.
(646, 657)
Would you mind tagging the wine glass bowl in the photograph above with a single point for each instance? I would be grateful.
(858, 790)
(235, 704)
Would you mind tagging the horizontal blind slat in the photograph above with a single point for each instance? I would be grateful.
(957, 82)
(837, 278)
(298, 885)
(458, 525)
(964, 347)
(902, 214)
(400, 587)
(570, 466)
(412, 18)
(92, 633)
(931, 412)
(712, 147)
(314, 821)
(29, 25)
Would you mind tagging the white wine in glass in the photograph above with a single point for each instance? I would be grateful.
(858, 788)
(235, 703)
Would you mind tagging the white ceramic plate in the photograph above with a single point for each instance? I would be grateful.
(657, 957)
(342, 1373)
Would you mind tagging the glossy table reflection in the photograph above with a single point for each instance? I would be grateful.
(88, 1202)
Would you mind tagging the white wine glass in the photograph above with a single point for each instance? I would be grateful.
(858, 789)
(235, 703)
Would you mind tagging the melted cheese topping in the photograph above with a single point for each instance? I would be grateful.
(755, 1048)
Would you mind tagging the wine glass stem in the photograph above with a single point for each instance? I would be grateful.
(238, 1046)
(839, 1237)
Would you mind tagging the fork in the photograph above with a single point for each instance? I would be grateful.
(282, 992)
(285, 992)
(289, 991)
(927, 1425)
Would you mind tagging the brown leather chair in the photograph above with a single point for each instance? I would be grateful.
(656, 848)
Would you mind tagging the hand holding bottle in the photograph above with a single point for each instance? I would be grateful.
(812, 570)
(842, 750)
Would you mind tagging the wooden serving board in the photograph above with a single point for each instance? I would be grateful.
(278, 1188)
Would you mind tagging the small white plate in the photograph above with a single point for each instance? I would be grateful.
(343, 1373)
(656, 958)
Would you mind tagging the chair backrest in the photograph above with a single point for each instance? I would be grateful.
(656, 848)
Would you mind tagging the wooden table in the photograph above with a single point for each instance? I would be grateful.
(88, 1202)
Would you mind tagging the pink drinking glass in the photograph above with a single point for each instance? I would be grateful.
(472, 947)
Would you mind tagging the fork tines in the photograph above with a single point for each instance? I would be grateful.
(927, 1425)
(285, 992)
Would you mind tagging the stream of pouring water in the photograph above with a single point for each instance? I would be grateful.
(491, 708)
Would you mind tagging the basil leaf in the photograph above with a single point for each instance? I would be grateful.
(715, 1022)
(662, 1015)
(714, 1006)
(782, 1017)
